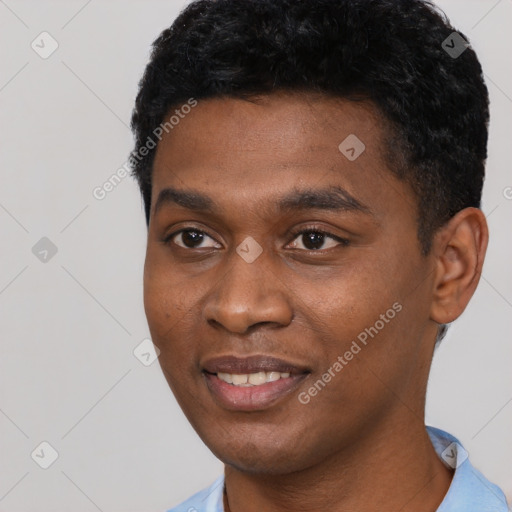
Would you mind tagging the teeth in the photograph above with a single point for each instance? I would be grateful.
(272, 376)
(252, 379)
(226, 377)
(257, 378)
(239, 379)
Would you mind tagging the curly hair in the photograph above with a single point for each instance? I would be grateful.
(392, 53)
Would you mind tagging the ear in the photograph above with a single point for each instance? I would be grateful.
(459, 250)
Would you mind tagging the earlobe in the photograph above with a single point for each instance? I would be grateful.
(459, 250)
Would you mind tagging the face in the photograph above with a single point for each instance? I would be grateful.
(284, 283)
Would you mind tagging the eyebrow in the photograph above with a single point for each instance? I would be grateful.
(189, 199)
(330, 198)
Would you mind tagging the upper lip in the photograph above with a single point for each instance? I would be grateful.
(251, 364)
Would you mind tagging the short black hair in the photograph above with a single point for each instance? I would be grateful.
(401, 55)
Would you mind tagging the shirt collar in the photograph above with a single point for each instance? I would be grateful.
(469, 489)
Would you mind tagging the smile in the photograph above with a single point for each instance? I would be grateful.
(252, 379)
(251, 383)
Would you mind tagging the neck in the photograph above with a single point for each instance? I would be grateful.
(390, 469)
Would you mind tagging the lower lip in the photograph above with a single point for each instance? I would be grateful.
(251, 398)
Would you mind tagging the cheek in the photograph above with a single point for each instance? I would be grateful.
(369, 316)
(157, 304)
(166, 311)
(348, 302)
(165, 300)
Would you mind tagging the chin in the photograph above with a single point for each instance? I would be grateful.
(265, 455)
(261, 464)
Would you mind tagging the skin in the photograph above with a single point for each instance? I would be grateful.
(360, 443)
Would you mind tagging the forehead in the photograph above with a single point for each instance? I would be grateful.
(254, 150)
(291, 123)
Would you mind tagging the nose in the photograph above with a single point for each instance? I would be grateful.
(246, 295)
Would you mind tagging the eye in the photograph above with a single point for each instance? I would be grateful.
(314, 240)
(192, 239)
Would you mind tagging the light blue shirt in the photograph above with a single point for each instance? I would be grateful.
(469, 490)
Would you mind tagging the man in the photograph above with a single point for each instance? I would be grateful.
(311, 174)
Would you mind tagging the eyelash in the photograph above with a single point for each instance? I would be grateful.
(314, 229)
(309, 229)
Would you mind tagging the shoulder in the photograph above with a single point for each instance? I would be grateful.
(469, 491)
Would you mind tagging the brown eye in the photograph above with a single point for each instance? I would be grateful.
(314, 240)
(193, 239)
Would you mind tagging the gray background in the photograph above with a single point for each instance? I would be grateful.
(69, 325)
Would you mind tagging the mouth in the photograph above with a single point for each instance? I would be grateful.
(251, 383)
